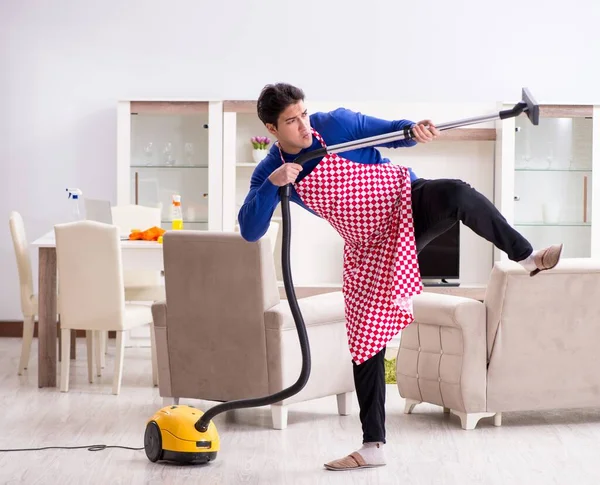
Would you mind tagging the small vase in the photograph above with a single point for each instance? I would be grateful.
(259, 154)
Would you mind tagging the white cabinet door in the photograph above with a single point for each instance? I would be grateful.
(172, 147)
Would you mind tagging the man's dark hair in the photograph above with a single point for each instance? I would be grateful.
(274, 99)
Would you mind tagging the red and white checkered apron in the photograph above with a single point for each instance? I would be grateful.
(369, 205)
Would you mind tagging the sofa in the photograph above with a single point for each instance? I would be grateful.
(531, 345)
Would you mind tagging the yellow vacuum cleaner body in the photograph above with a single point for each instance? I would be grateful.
(171, 436)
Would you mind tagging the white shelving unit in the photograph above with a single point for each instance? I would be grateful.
(553, 205)
(240, 123)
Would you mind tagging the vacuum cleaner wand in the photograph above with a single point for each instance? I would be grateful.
(528, 105)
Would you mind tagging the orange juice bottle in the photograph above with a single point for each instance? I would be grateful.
(176, 213)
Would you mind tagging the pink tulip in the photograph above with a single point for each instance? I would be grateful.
(260, 142)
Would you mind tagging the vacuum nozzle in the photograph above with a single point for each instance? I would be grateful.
(527, 105)
(533, 109)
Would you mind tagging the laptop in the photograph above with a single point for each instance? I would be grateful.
(99, 210)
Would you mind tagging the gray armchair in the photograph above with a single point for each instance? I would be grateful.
(224, 334)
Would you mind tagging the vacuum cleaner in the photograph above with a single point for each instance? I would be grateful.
(184, 434)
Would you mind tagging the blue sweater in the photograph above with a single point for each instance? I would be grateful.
(339, 126)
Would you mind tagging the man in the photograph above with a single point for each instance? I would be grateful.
(385, 214)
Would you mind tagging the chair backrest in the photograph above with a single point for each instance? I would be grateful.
(543, 334)
(21, 247)
(97, 210)
(88, 257)
(218, 287)
(128, 217)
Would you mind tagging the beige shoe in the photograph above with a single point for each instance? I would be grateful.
(350, 462)
(547, 258)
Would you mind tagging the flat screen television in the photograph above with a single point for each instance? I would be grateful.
(439, 261)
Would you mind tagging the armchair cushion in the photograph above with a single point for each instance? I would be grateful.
(442, 355)
(331, 362)
(316, 310)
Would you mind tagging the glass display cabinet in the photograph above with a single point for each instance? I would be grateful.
(172, 147)
(547, 177)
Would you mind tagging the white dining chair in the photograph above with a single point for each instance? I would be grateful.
(140, 285)
(29, 300)
(92, 298)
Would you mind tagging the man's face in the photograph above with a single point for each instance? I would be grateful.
(293, 128)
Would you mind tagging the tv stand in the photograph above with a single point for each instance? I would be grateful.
(441, 283)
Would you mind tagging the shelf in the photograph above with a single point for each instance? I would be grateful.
(553, 224)
(168, 107)
(196, 221)
(458, 134)
(553, 169)
(566, 111)
(169, 166)
(468, 134)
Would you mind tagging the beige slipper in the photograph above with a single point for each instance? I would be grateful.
(547, 258)
(350, 462)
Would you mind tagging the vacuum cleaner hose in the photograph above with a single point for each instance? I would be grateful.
(202, 424)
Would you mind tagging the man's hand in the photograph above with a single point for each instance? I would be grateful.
(425, 131)
(286, 174)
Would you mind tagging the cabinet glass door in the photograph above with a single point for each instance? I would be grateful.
(553, 182)
(169, 155)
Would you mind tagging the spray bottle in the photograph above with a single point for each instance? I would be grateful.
(75, 194)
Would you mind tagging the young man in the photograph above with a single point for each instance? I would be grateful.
(385, 214)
